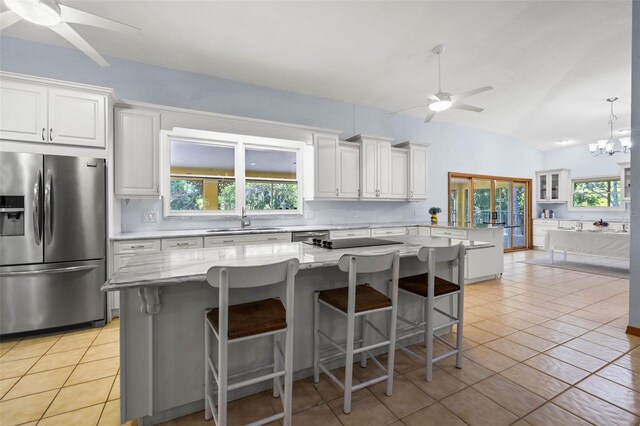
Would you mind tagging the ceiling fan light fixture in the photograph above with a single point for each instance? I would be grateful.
(602, 143)
(40, 12)
(438, 106)
(593, 147)
(625, 142)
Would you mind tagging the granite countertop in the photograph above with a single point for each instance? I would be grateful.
(254, 230)
(469, 226)
(146, 235)
(174, 267)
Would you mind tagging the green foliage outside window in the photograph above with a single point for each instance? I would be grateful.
(596, 193)
(187, 194)
(226, 195)
(271, 196)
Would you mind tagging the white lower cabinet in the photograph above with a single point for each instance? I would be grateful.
(540, 228)
(424, 231)
(449, 233)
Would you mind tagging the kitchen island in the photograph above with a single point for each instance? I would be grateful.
(164, 296)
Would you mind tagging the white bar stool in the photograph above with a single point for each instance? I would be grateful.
(231, 324)
(430, 288)
(358, 301)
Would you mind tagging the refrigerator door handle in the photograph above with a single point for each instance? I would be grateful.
(48, 212)
(49, 271)
(37, 208)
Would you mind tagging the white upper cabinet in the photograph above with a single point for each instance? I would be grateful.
(375, 167)
(23, 112)
(349, 170)
(34, 111)
(137, 149)
(417, 170)
(399, 174)
(553, 186)
(76, 118)
(326, 165)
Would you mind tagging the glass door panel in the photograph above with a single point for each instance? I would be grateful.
(482, 201)
(503, 208)
(519, 215)
(555, 186)
(459, 202)
(542, 187)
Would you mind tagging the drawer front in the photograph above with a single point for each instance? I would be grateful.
(449, 233)
(424, 231)
(538, 241)
(381, 232)
(553, 222)
(350, 233)
(247, 239)
(412, 230)
(136, 246)
(181, 243)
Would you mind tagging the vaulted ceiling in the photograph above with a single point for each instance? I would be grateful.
(552, 63)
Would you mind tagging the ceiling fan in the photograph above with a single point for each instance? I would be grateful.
(56, 16)
(442, 101)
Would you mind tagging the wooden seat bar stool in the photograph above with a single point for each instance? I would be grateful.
(231, 324)
(358, 301)
(430, 288)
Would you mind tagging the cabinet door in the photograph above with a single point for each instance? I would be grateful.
(418, 173)
(554, 186)
(626, 183)
(542, 187)
(326, 170)
(399, 174)
(77, 118)
(384, 169)
(349, 173)
(23, 112)
(368, 183)
(137, 161)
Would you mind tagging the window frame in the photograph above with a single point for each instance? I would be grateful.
(621, 204)
(239, 143)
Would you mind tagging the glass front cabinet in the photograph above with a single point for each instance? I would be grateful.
(553, 186)
(625, 180)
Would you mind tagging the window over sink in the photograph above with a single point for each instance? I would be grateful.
(603, 193)
(209, 173)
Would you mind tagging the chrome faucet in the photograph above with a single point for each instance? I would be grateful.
(244, 220)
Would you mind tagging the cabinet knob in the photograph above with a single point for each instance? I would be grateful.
(411, 194)
(337, 192)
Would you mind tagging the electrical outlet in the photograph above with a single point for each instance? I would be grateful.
(308, 214)
(355, 214)
(150, 217)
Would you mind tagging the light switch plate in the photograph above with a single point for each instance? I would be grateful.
(150, 217)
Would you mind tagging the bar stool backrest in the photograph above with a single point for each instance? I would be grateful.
(252, 276)
(367, 263)
(434, 255)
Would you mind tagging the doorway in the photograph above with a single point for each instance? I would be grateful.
(481, 199)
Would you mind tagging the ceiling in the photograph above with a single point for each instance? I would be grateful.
(552, 63)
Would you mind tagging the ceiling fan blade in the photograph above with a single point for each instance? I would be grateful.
(429, 116)
(460, 96)
(76, 16)
(8, 18)
(407, 109)
(68, 33)
(458, 105)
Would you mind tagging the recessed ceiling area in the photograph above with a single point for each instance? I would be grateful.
(552, 63)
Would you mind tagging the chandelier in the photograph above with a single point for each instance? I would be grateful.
(608, 146)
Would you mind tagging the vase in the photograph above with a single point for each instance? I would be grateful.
(434, 218)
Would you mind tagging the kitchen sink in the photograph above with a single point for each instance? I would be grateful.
(242, 229)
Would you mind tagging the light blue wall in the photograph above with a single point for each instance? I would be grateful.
(453, 148)
(582, 164)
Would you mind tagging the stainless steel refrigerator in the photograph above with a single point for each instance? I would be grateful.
(52, 241)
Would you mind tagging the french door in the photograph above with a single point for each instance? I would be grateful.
(482, 199)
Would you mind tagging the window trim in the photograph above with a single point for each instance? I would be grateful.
(571, 207)
(239, 143)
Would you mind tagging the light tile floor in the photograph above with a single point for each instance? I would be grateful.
(543, 347)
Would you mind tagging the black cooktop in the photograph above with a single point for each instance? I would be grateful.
(350, 243)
